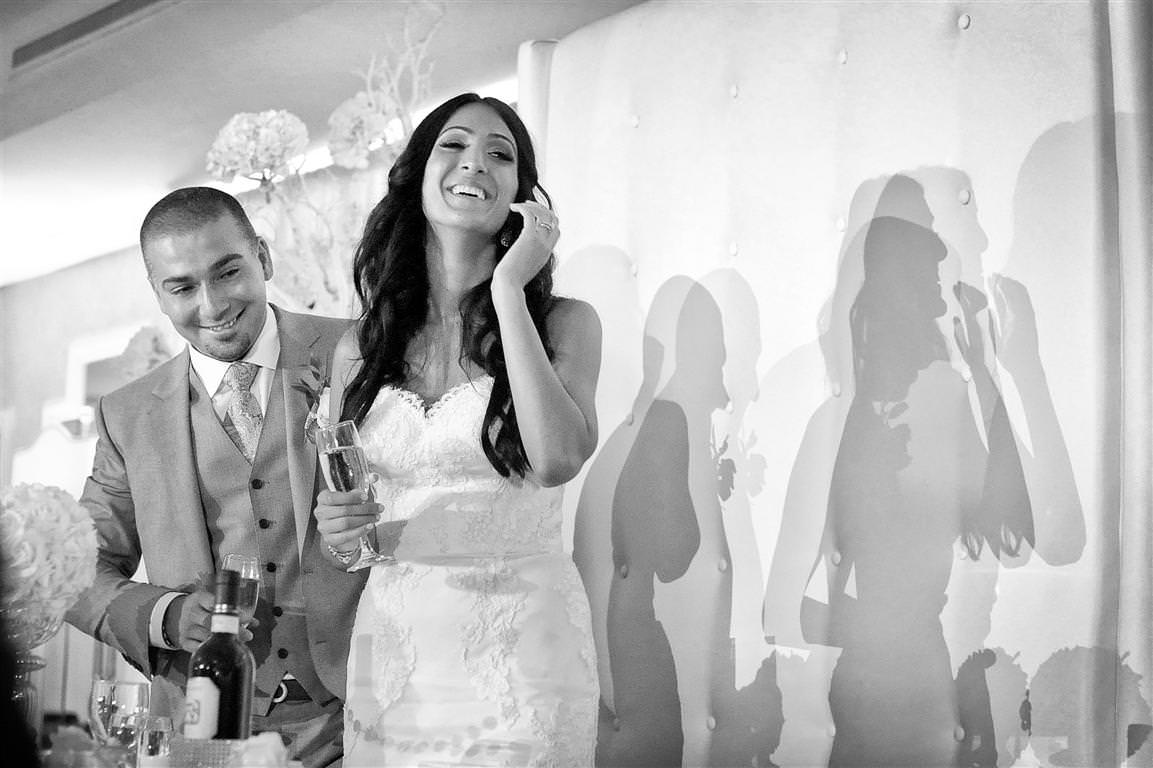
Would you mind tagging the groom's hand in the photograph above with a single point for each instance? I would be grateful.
(188, 620)
(342, 518)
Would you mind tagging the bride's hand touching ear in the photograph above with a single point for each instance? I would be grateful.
(532, 248)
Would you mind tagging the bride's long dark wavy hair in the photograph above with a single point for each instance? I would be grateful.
(391, 279)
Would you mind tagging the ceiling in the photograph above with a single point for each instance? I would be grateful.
(95, 131)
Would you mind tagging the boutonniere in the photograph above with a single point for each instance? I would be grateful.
(314, 384)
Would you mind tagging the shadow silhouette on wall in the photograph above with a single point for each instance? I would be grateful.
(928, 472)
(936, 463)
(744, 694)
(669, 474)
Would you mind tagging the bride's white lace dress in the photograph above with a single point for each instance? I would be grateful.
(476, 647)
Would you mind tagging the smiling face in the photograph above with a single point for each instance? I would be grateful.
(210, 283)
(471, 174)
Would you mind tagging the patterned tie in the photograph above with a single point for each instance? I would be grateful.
(242, 419)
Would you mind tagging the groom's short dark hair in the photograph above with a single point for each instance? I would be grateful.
(187, 209)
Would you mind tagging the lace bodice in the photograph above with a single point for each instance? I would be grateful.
(435, 475)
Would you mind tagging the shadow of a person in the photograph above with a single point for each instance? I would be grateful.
(746, 699)
(655, 535)
(911, 478)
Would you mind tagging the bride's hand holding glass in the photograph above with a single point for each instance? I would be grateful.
(346, 513)
(344, 519)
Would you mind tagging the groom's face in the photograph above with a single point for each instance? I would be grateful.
(210, 283)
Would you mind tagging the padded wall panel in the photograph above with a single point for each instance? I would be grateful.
(857, 265)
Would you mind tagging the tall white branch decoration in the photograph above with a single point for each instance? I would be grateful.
(313, 222)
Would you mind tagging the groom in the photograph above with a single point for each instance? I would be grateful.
(205, 456)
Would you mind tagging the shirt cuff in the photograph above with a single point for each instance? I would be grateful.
(156, 621)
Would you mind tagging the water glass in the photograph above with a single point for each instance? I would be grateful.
(249, 569)
(153, 742)
(111, 700)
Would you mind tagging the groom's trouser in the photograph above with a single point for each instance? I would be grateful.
(313, 734)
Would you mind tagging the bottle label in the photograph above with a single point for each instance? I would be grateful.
(226, 622)
(201, 708)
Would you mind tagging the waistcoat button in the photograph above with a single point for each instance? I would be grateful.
(271, 567)
(264, 522)
(256, 483)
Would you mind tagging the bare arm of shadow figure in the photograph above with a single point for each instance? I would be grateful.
(1004, 517)
(1058, 519)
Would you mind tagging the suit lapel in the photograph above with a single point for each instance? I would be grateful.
(297, 339)
(170, 434)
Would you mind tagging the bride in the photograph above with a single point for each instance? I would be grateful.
(473, 387)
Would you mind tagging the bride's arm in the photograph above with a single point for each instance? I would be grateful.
(555, 402)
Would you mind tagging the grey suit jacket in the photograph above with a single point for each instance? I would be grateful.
(144, 497)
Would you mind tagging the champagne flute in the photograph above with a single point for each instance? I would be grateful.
(345, 469)
(249, 570)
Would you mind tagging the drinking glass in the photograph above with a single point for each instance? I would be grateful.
(153, 742)
(345, 469)
(112, 699)
(249, 570)
(123, 729)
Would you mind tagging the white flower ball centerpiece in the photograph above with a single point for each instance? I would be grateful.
(258, 146)
(48, 555)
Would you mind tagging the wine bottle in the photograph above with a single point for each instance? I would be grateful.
(221, 674)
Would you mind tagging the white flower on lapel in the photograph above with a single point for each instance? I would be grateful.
(324, 408)
(314, 384)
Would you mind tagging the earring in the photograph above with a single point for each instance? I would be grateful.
(506, 237)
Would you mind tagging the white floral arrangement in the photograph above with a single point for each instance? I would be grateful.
(48, 542)
(257, 145)
(358, 127)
